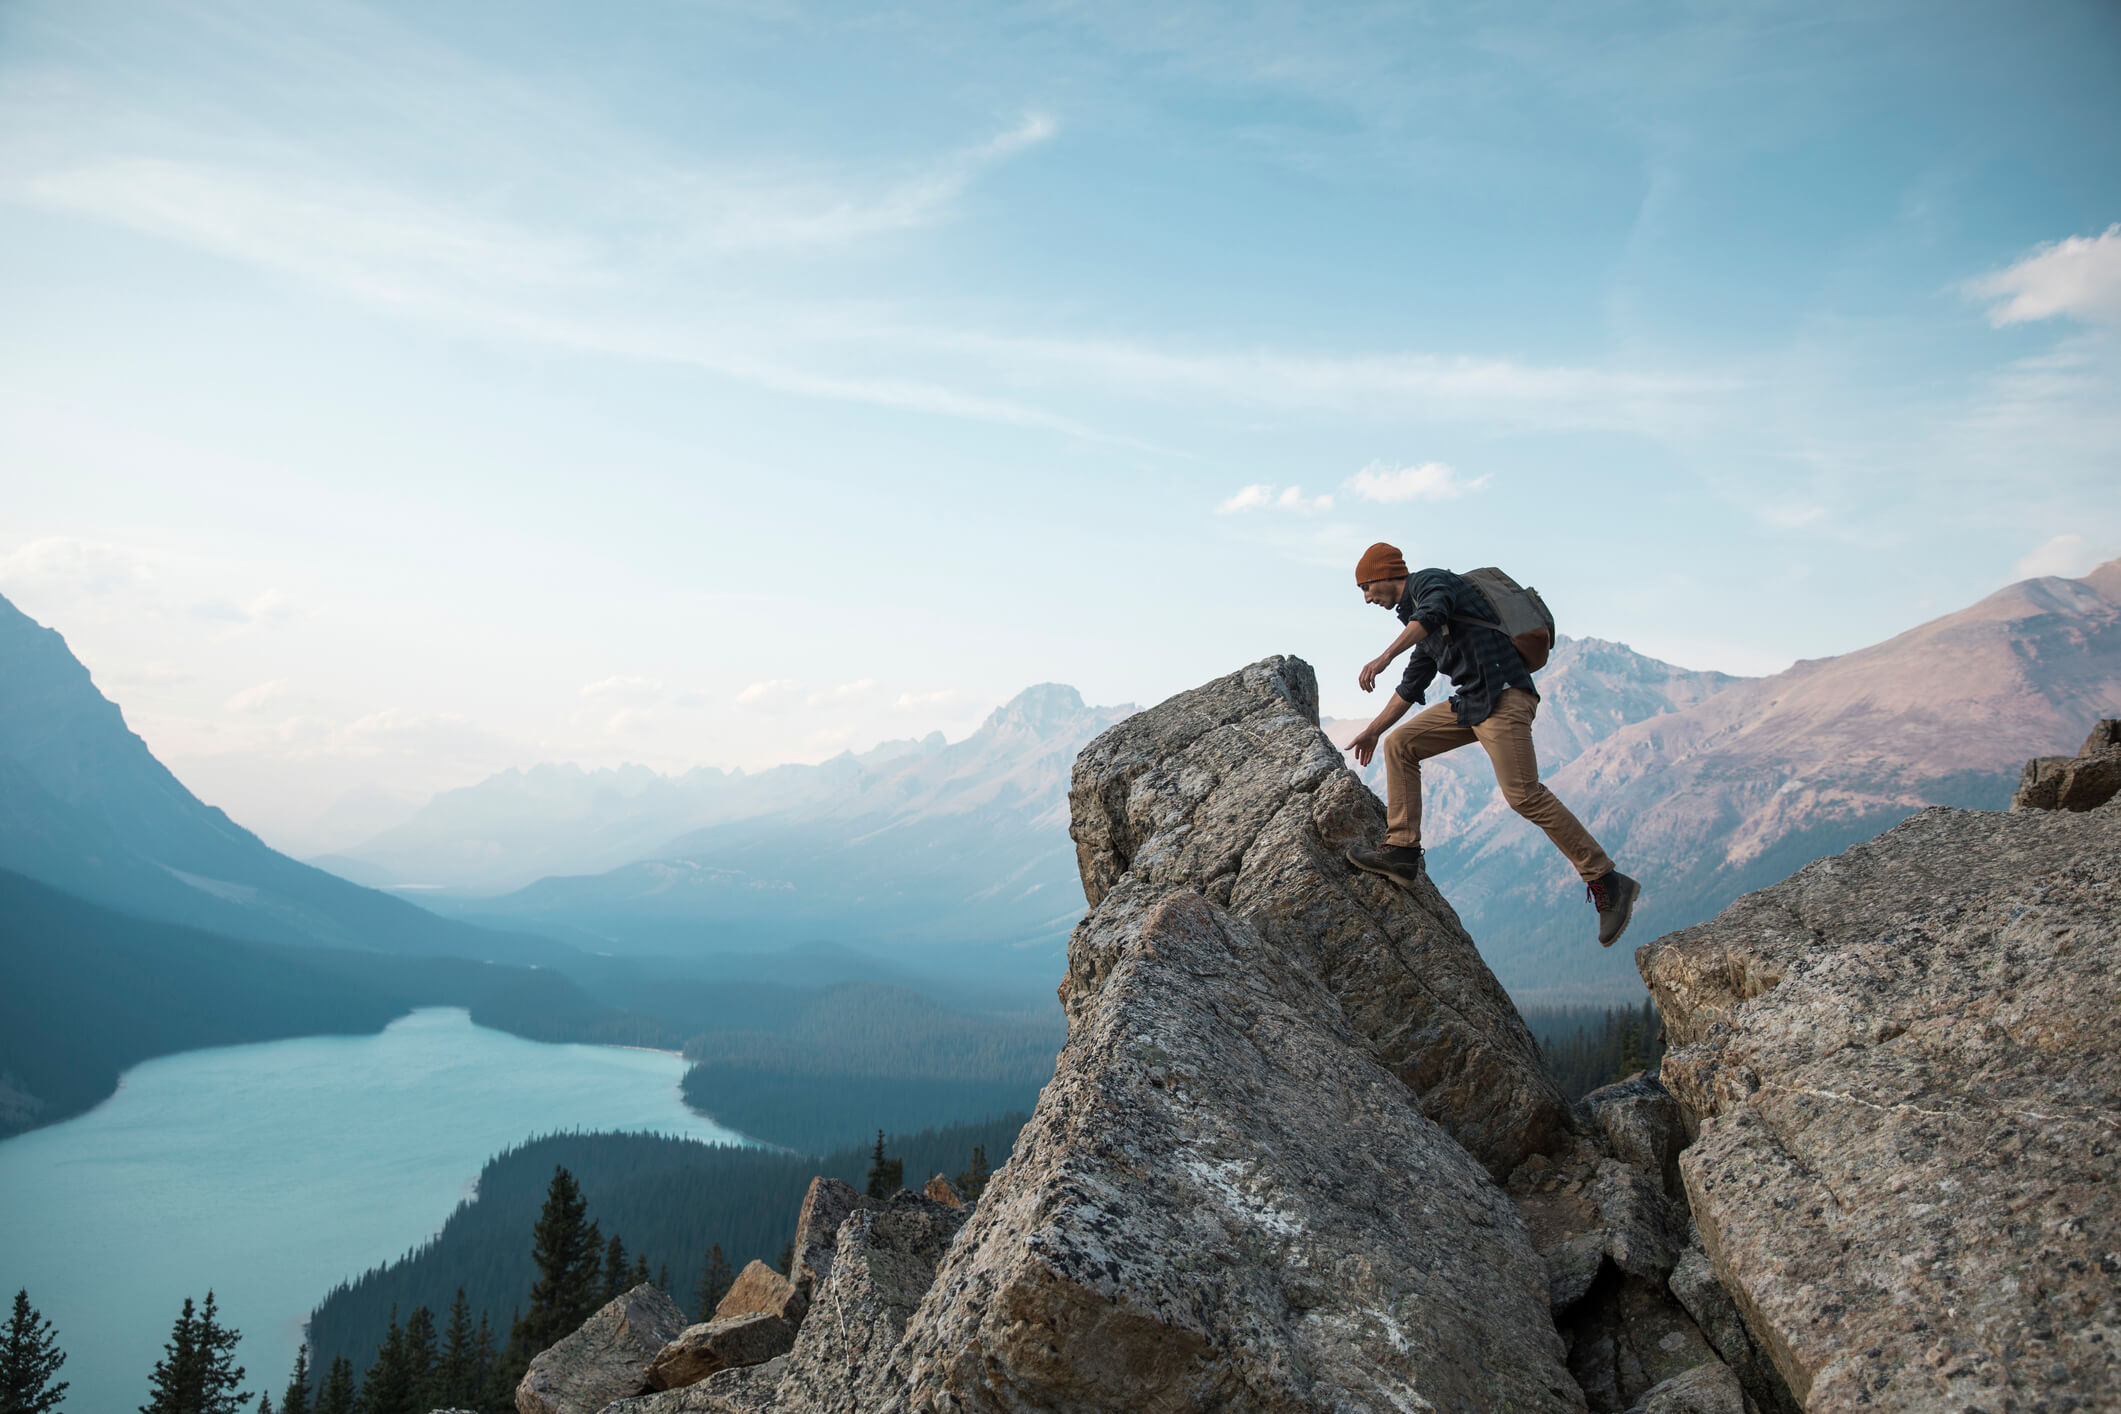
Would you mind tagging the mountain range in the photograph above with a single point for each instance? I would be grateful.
(955, 858)
(1734, 791)
(958, 850)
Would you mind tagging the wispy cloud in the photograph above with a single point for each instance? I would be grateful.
(1428, 481)
(2068, 555)
(766, 693)
(2078, 277)
(1265, 497)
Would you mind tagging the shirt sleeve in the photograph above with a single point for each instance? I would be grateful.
(1421, 671)
(1433, 610)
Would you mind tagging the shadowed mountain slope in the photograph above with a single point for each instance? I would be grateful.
(86, 807)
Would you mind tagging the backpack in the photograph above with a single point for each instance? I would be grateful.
(1525, 619)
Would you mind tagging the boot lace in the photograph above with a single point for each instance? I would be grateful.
(1599, 893)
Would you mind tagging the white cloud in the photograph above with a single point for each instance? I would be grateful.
(2069, 556)
(925, 699)
(1428, 481)
(636, 691)
(256, 699)
(767, 692)
(841, 692)
(1267, 497)
(2079, 277)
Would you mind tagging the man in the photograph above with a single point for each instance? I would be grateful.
(1494, 705)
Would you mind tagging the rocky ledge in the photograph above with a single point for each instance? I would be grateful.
(1902, 1068)
(1298, 1152)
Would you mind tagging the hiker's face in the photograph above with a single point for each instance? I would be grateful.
(1384, 593)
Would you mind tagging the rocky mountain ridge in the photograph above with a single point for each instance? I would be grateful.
(1735, 791)
(1298, 1154)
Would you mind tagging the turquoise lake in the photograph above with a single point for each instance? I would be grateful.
(271, 1172)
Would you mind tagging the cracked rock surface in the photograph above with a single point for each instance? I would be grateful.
(1221, 1202)
(1903, 1070)
(1232, 791)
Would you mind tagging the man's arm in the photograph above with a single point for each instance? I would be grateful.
(1365, 745)
(1412, 634)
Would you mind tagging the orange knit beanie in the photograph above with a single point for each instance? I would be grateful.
(1380, 561)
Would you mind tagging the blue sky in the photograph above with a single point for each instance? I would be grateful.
(391, 394)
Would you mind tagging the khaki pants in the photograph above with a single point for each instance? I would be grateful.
(1507, 736)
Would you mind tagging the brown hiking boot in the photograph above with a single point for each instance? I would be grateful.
(1614, 895)
(1401, 863)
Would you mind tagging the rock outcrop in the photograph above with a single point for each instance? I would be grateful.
(883, 1265)
(1298, 1152)
(606, 1359)
(725, 1343)
(2085, 781)
(1232, 792)
(1902, 1069)
(1223, 1202)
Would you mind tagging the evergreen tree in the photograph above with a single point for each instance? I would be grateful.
(662, 1277)
(485, 1365)
(387, 1387)
(337, 1394)
(639, 1275)
(456, 1371)
(886, 1176)
(973, 1181)
(715, 1279)
(564, 1245)
(29, 1358)
(197, 1373)
(420, 1361)
(264, 1402)
(614, 1269)
(296, 1399)
(787, 1266)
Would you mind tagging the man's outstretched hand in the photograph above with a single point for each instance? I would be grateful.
(1368, 676)
(1364, 746)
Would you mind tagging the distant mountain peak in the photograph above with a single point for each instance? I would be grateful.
(1044, 708)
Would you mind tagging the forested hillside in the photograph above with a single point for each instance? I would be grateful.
(669, 1200)
(863, 1055)
(86, 992)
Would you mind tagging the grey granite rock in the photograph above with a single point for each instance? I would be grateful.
(883, 1264)
(1694, 1283)
(1903, 1066)
(1233, 792)
(607, 1358)
(722, 1344)
(1221, 1201)
(1572, 1265)
(749, 1390)
(1641, 1125)
(2081, 782)
(827, 1205)
(1705, 1389)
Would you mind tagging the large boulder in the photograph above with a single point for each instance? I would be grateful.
(1232, 792)
(726, 1343)
(759, 1290)
(606, 1358)
(1223, 1202)
(745, 1390)
(1903, 1069)
(2082, 782)
(884, 1260)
